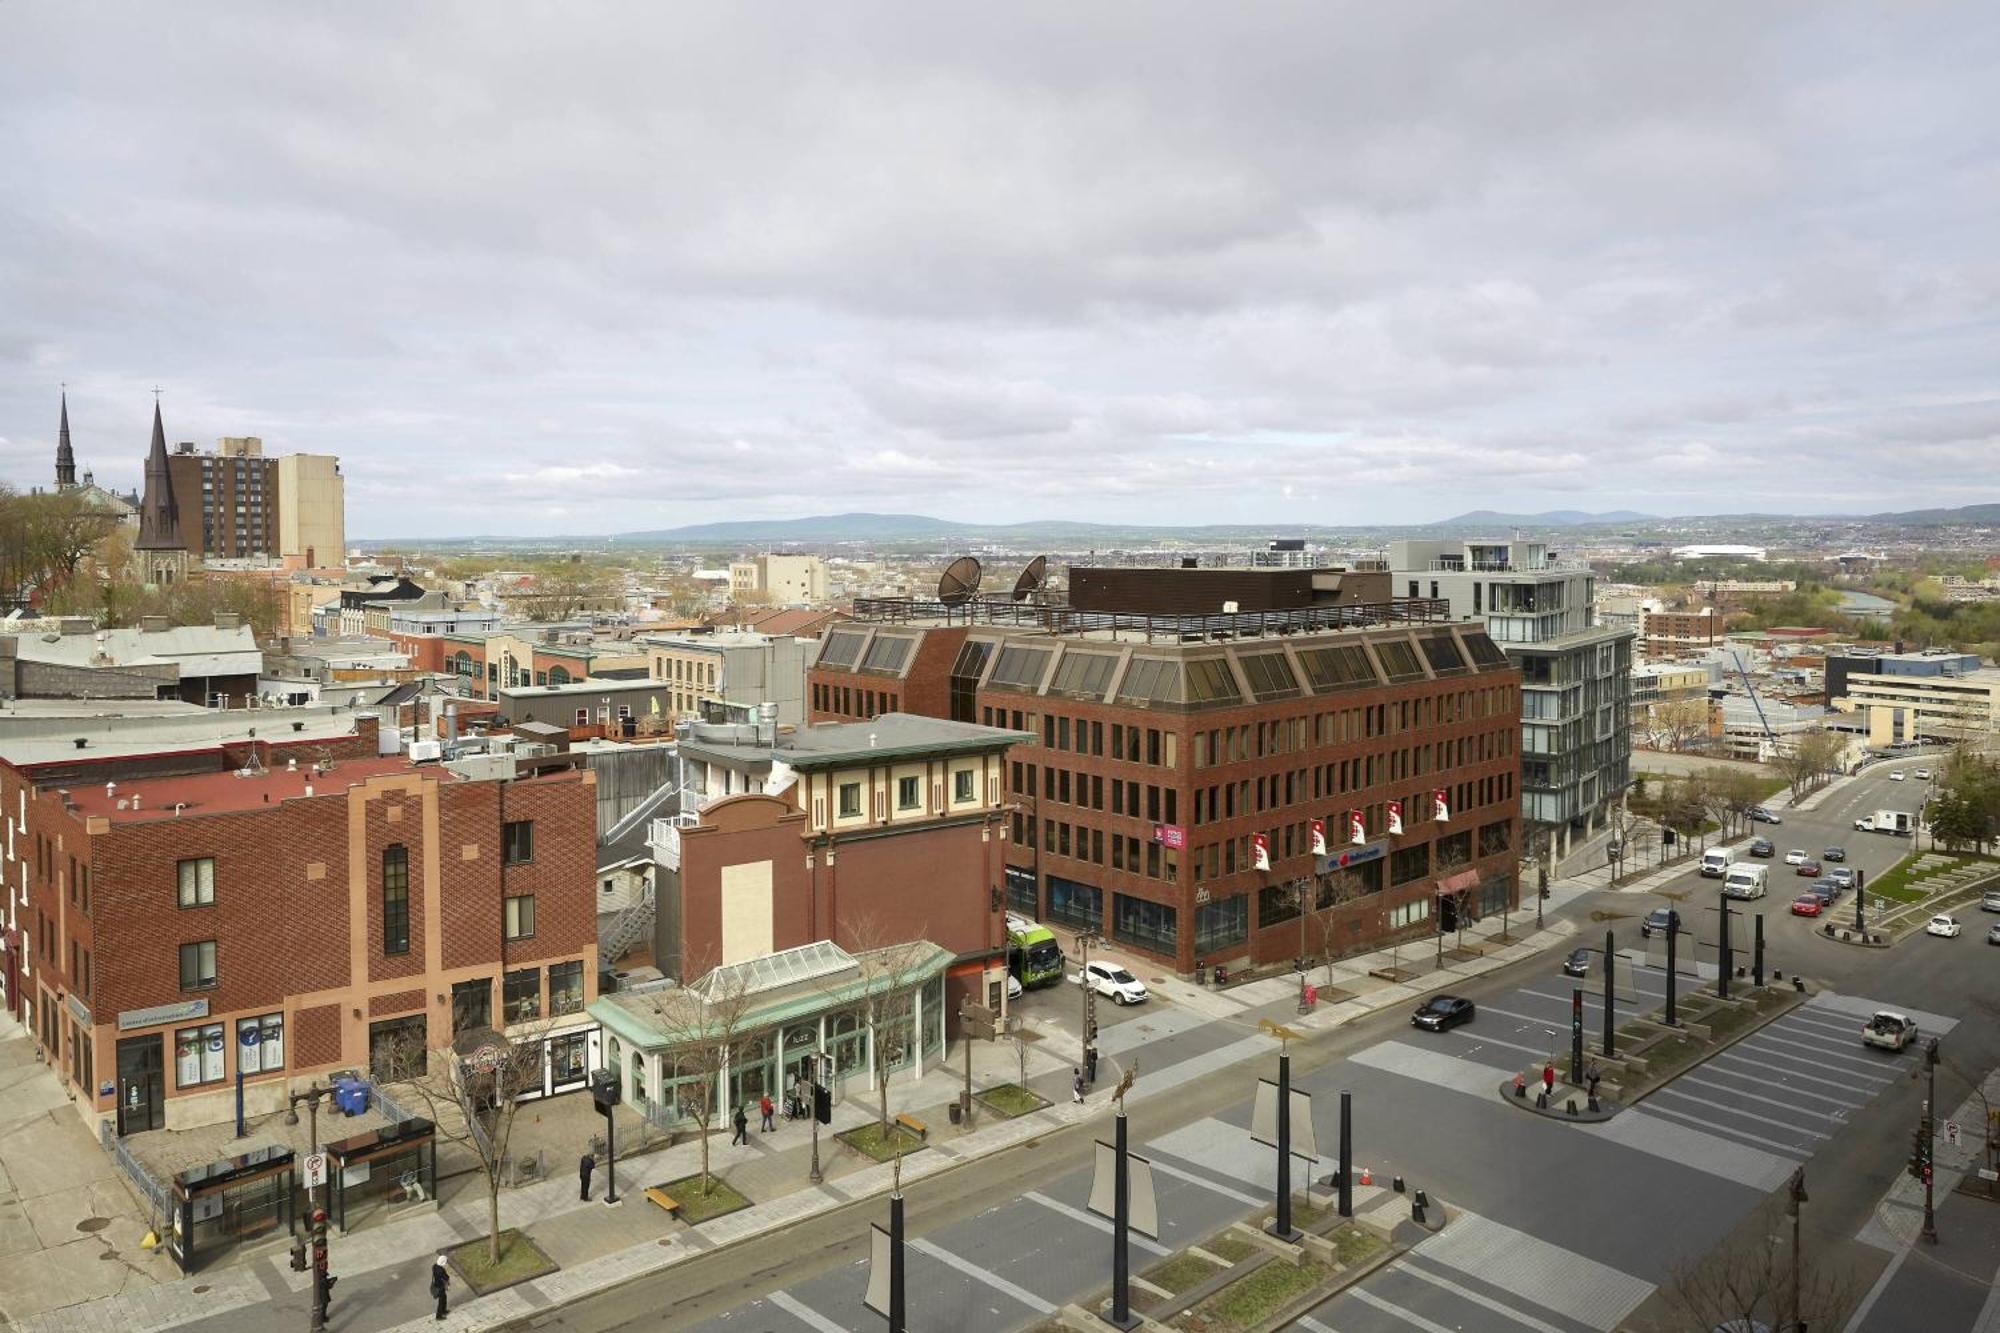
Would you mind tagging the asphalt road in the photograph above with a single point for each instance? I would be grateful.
(1565, 1227)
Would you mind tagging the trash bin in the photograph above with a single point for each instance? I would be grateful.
(953, 1112)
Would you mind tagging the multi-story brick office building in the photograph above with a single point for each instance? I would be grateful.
(1212, 785)
(185, 910)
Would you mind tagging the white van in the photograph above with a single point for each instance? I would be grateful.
(1714, 863)
(1746, 881)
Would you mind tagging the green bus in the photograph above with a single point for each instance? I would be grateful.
(1033, 955)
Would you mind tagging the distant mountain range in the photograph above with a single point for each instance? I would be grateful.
(1553, 518)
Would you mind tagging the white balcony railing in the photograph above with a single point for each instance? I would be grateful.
(664, 837)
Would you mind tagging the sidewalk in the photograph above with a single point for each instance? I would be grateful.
(383, 1270)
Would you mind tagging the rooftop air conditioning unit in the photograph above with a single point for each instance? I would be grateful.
(423, 752)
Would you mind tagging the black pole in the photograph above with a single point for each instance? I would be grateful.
(1757, 950)
(1121, 1221)
(1347, 1154)
(1576, 1034)
(1930, 1232)
(1282, 1229)
(1610, 1000)
(1728, 959)
(1860, 923)
(1673, 977)
(896, 1324)
(610, 1158)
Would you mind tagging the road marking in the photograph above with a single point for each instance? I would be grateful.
(1863, 1008)
(1167, 1169)
(1542, 1274)
(1485, 1302)
(1819, 1053)
(804, 1313)
(1095, 1222)
(1394, 1311)
(993, 1280)
(1842, 1024)
(1785, 1075)
(1703, 1082)
(1741, 1133)
(1771, 1076)
(1539, 1052)
(1867, 1085)
(1311, 1325)
(1710, 1127)
(1437, 1068)
(1639, 1129)
(1550, 1024)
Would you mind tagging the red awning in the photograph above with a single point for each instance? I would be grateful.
(1463, 880)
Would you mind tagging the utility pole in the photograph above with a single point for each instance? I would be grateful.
(1084, 940)
(1797, 1196)
(1610, 1008)
(822, 1106)
(1673, 976)
(1930, 1138)
(1304, 891)
(1728, 959)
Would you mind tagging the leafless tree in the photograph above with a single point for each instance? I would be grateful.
(890, 976)
(471, 1091)
(702, 1023)
(1335, 890)
(1759, 1279)
(1680, 724)
(1809, 758)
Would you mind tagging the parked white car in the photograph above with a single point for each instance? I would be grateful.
(1112, 980)
(1946, 926)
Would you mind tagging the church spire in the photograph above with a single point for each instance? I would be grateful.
(65, 456)
(159, 516)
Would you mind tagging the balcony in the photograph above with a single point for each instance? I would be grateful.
(1455, 564)
(664, 837)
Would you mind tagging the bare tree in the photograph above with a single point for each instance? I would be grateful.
(702, 1023)
(1336, 889)
(1759, 1278)
(1809, 758)
(471, 1091)
(563, 588)
(1680, 724)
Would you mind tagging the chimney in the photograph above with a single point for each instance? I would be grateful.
(451, 724)
(767, 724)
(153, 624)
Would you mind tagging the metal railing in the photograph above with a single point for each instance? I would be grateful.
(388, 1105)
(1185, 628)
(157, 1194)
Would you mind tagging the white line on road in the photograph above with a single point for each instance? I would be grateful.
(1752, 1043)
(1861, 1084)
(1710, 1127)
(993, 1280)
(1727, 1109)
(804, 1313)
(1311, 1325)
(1655, 1132)
(1560, 1024)
(1704, 1080)
(1771, 1076)
(1367, 1297)
(1094, 1221)
(1166, 1169)
(1485, 1302)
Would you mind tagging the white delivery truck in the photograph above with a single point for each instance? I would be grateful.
(1900, 823)
(1714, 863)
(1746, 881)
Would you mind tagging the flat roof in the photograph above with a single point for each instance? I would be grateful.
(889, 736)
(52, 739)
(230, 790)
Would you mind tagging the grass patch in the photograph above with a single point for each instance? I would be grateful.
(1354, 1245)
(721, 1199)
(1727, 1022)
(879, 1144)
(1182, 1273)
(520, 1261)
(1233, 1248)
(1011, 1100)
(1903, 884)
(1255, 1297)
(1305, 1214)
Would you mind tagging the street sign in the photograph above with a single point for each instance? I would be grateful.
(1951, 1132)
(314, 1170)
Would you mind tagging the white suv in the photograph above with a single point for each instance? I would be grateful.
(1112, 980)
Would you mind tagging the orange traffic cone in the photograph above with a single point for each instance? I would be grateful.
(1367, 1178)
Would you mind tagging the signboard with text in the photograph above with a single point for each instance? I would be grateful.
(1170, 835)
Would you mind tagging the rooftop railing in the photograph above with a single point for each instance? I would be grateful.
(1155, 625)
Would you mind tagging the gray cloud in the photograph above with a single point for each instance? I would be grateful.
(583, 268)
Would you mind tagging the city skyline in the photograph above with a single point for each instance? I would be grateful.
(524, 278)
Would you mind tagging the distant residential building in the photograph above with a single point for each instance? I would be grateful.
(1665, 635)
(1287, 553)
(1937, 696)
(312, 508)
(1576, 675)
(785, 580)
(1657, 688)
(588, 708)
(744, 669)
(230, 498)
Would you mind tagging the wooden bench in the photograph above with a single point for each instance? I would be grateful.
(914, 1125)
(656, 1195)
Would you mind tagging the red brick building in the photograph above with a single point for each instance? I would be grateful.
(1211, 785)
(288, 909)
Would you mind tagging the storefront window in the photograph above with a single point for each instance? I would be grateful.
(260, 1044)
(1146, 925)
(523, 995)
(198, 1055)
(1221, 925)
(565, 989)
(1074, 904)
(568, 1059)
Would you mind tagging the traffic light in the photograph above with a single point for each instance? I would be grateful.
(1920, 1153)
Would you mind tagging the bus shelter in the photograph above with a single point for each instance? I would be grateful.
(225, 1203)
(386, 1167)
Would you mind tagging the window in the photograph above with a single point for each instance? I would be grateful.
(198, 882)
(260, 1044)
(909, 793)
(198, 1055)
(520, 916)
(395, 899)
(521, 995)
(1275, 903)
(1147, 925)
(1408, 863)
(198, 965)
(471, 1005)
(565, 989)
(962, 785)
(517, 842)
(1219, 925)
(1074, 904)
(850, 800)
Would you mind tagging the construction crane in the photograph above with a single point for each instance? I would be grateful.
(1755, 702)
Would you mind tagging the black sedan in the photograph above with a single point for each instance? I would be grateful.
(1833, 854)
(1577, 964)
(1761, 847)
(1441, 1012)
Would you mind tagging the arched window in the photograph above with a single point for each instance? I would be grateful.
(558, 676)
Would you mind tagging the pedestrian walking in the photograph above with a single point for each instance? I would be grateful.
(1076, 1087)
(440, 1284)
(584, 1166)
(1590, 1078)
(768, 1110)
(1549, 1078)
(742, 1122)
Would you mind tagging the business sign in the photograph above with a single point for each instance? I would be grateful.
(77, 1009)
(1170, 835)
(163, 1013)
(1352, 856)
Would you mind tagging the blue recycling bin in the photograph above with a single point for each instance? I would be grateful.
(350, 1095)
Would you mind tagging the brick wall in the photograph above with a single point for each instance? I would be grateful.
(315, 1036)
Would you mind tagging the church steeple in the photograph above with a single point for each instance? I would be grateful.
(159, 516)
(65, 457)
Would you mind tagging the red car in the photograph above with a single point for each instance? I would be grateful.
(1806, 904)
(1808, 868)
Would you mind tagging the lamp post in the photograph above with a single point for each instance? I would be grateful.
(1084, 939)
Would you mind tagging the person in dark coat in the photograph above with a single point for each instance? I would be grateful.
(742, 1123)
(584, 1166)
(440, 1284)
(1076, 1086)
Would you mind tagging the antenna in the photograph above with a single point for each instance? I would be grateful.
(1031, 578)
(959, 581)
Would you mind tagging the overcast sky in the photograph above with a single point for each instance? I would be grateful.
(590, 268)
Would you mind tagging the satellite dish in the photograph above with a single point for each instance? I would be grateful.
(959, 581)
(1031, 578)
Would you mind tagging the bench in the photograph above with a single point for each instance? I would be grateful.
(914, 1125)
(656, 1195)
